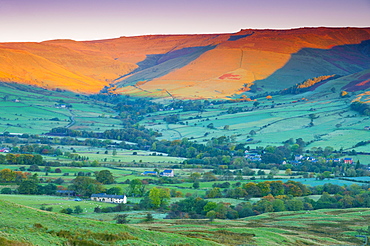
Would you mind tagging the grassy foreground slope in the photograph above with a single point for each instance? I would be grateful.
(319, 227)
(21, 225)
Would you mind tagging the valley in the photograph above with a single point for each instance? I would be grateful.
(259, 137)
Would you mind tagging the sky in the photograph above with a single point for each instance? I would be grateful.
(40, 20)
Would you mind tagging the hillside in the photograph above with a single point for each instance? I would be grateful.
(22, 225)
(191, 66)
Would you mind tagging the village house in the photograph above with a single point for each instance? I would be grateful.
(298, 157)
(252, 156)
(103, 197)
(66, 192)
(348, 160)
(149, 173)
(167, 173)
(4, 150)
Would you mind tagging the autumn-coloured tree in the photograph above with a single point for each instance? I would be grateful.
(344, 94)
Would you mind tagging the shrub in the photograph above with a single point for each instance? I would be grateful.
(66, 211)
(6, 191)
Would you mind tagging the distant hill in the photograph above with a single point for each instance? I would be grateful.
(193, 66)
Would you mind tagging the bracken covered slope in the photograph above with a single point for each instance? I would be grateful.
(191, 66)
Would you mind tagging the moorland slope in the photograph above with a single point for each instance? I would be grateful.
(191, 66)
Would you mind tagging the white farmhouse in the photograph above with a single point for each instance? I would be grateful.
(102, 197)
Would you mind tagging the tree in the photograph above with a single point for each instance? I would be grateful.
(149, 217)
(114, 152)
(255, 104)
(252, 189)
(274, 170)
(48, 189)
(211, 215)
(194, 176)
(209, 176)
(59, 181)
(278, 205)
(86, 186)
(264, 188)
(210, 126)
(344, 94)
(326, 174)
(294, 204)
(114, 191)
(214, 193)
(159, 196)
(78, 209)
(105, 177)
(263, 206)
(277, 188)
(6, 191)
(7, 175)
(288, 171)
(196, 184)
(28, 187)
(66, 211)
(136, 188)
(121, 219)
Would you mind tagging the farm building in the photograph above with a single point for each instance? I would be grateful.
(4, 150)
(103, 197)
(348, 160)
(167, 173)
(66, 192)
(149, 173)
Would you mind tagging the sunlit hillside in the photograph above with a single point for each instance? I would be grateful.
(190, 66)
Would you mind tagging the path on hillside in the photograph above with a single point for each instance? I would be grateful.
(169, 129)
(72, 119)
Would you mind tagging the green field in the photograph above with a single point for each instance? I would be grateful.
(34, 110)
(334, 123)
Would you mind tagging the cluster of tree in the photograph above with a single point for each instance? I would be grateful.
(308, 85)
(10, 176)
(83, 185)
(31, 186)
(130, 108)
(137, 134)
(37, 148)
(361, 107)
(21, 159)
(155, 198)
(172, 119)
(77, 210)
(215, 148)
(118, 208)
(362, 143)
(342, 197)
(248, 190)
(190, 105)
(86, 186)
(27, 139)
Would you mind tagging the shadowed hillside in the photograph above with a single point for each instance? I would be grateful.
(188, 66)
(309, 63)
